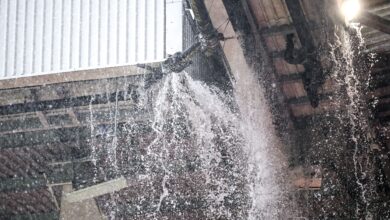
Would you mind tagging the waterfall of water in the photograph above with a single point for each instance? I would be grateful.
(192, 123)
(266, 163)
(347, 76)
(198, 153)
(237, 152)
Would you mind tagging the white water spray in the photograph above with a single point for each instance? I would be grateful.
(239, 156)
(347, 77)
(267, 163)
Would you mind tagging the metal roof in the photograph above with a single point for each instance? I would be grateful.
(41, 36)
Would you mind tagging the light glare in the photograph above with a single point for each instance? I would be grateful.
(350, 9)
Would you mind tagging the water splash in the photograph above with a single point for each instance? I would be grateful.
(236, 152)
(192, 123)
(200, 152)
(266, 162)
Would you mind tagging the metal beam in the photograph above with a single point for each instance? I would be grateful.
(374, 21)
(300, 23)
(60, 135)
(291, 77)
(62, 118)
(32, 138)
(284, 29)
(314, 77)
(91, 192)
(85, 209)
(72, 76)
(66, 103)
(305, 99)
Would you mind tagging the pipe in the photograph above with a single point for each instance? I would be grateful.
(180, 60)
(208, 35)
(208, 41)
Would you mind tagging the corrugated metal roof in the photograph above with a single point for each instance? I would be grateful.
(41, 36)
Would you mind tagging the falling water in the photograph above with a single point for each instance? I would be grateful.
(192, 123)
(201, 152)
(266, 162)
(113, 149)
(92, 131)
(347, 77)
(235, 153)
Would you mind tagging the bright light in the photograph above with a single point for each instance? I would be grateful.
(350, 9)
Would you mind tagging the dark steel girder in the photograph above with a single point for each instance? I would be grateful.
(314, 73)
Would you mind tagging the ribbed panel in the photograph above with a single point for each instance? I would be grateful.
(42, 36)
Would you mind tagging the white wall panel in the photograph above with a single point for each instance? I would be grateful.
(3, 36)
(48, 36)
(11, 37)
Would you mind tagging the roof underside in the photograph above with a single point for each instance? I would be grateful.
(274, 22)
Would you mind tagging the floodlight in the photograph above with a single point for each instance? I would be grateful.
(350, 9)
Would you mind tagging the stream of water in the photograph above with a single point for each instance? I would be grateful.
(224, 156)
(354, 112)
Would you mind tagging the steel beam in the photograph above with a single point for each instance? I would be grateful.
(91, 192)
(71, 102)
(314, 77)
(291, 77)
(305, 99)
(284, 29)
(301, 24)
(374, 21)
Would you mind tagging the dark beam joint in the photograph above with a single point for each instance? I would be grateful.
(305, 99)
(291, 77)
(284, 29)
(70, 102)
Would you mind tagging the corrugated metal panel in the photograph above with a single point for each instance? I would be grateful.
(42, 36)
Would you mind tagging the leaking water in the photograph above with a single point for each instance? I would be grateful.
(347, 75)
(223, 159)
(202, 152)
(223, 156)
